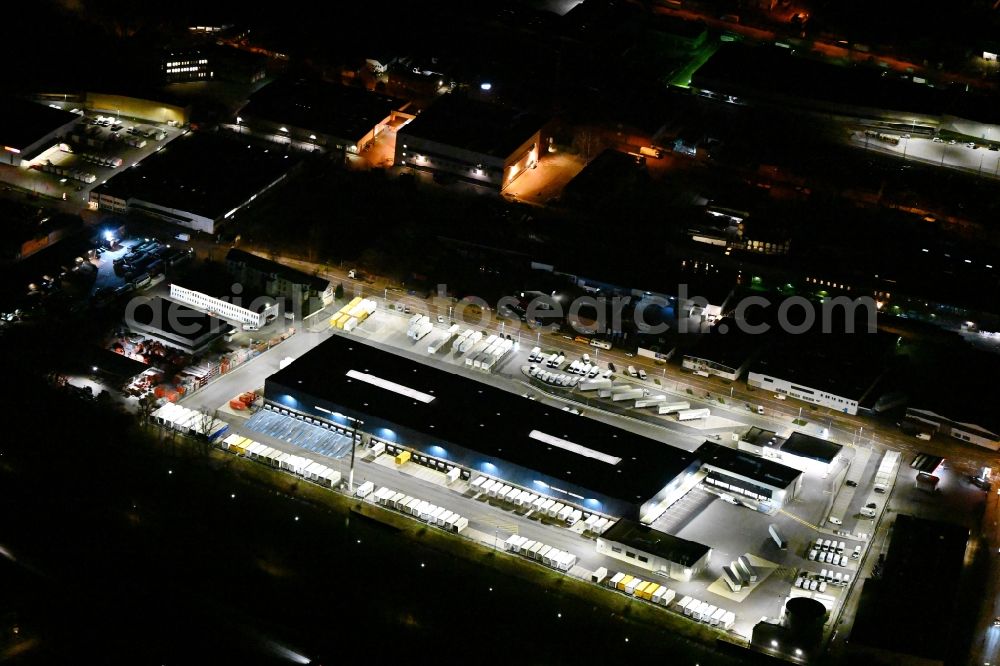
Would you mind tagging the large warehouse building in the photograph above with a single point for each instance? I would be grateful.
(472, 140)
(28, 130)
(314, 114)
(197, 182)
(447, 417)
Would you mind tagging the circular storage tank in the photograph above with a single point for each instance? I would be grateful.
(805, 616)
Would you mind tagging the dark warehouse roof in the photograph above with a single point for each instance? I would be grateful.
(22, 123)
(479, 417)
(472, 125)
(671, 548)
(747, 465)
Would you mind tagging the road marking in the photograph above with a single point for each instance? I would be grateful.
(796, 518)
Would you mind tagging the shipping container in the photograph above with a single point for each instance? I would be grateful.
(402, 457)
(624, 581)
(616, 579)
(364, 489)
(632, 584)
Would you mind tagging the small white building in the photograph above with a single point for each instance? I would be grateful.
(656, 551)
(256, 313)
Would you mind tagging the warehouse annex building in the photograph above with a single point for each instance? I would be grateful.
(798, 450)
(651, 549)
(198, 181)
(455, 420)
(28, 130)
(472, 140)
(764, 481)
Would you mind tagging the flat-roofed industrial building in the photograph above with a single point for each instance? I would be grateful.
(446, 417)
(765, 481)
(472, 140)
(28, 130)
(651, 549)
(198, 181)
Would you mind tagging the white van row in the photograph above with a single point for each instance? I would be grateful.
(425, 511)
(817, 582)
(540, 552)
(554, 378)
(702, 611)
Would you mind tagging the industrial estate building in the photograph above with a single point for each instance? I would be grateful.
(256, 313)
(767, 482)
(837, 371)
(314, 114)
(798, 450)
(959, 429)
(472, 140)
(185, 183)
(727, 354)
(657, 551)
(29, 130)
(175, 324)
(430, 412)
(302, 293)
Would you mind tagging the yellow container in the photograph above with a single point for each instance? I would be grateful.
(624, 582)
(354, 302)
(647, 594)
(640, 589)
(402, 457)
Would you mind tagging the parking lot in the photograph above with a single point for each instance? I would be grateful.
(947, 153)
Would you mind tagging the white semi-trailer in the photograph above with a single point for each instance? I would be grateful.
(672, 407)
(693, 414)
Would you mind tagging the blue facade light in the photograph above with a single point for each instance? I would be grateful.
(438, 451)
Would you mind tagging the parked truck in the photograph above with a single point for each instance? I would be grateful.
(693, 414)
(778, 538)
(650, 401)
(672, 407)
(885, 471)
(631, 394)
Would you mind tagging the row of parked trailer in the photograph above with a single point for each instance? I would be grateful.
(353, 314)
(536, 550)
(99, 160)
(414, 506)
(299, 465)
(485, 355)
(467, 340)
(539, 504)
(739, 572)
(188, 421)
(452, 331)
(420, 326)
(703, 611)
(68, 172)
(658, 594)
